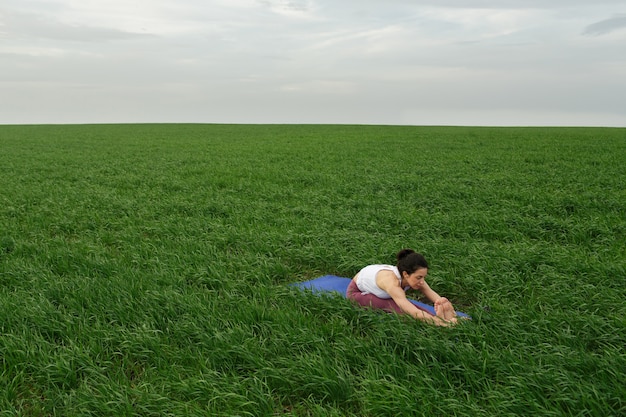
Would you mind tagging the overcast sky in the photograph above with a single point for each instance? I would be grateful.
(431, 62)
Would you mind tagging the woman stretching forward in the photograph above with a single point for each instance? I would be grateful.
(383, 287)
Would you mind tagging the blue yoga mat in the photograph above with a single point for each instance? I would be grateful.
(330, 283)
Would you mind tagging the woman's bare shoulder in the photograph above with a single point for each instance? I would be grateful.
(387, 276)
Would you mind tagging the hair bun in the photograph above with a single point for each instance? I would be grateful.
(404, 253)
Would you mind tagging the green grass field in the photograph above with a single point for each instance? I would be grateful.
(144, 270)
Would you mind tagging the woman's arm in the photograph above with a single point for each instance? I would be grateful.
(390, 284)
(443, 307)
(408, 307)
(429, 292)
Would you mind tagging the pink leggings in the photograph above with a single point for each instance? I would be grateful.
(370, 300)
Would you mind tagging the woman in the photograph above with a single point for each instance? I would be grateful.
(384, 286)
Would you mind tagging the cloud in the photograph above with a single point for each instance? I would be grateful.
(606, 26)
(292, 8)
(21, 25)
(366, 61)
(486, 4)
(321, 87)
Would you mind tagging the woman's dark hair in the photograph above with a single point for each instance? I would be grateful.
(410, 261)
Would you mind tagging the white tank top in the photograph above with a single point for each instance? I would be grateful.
(366, 280)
